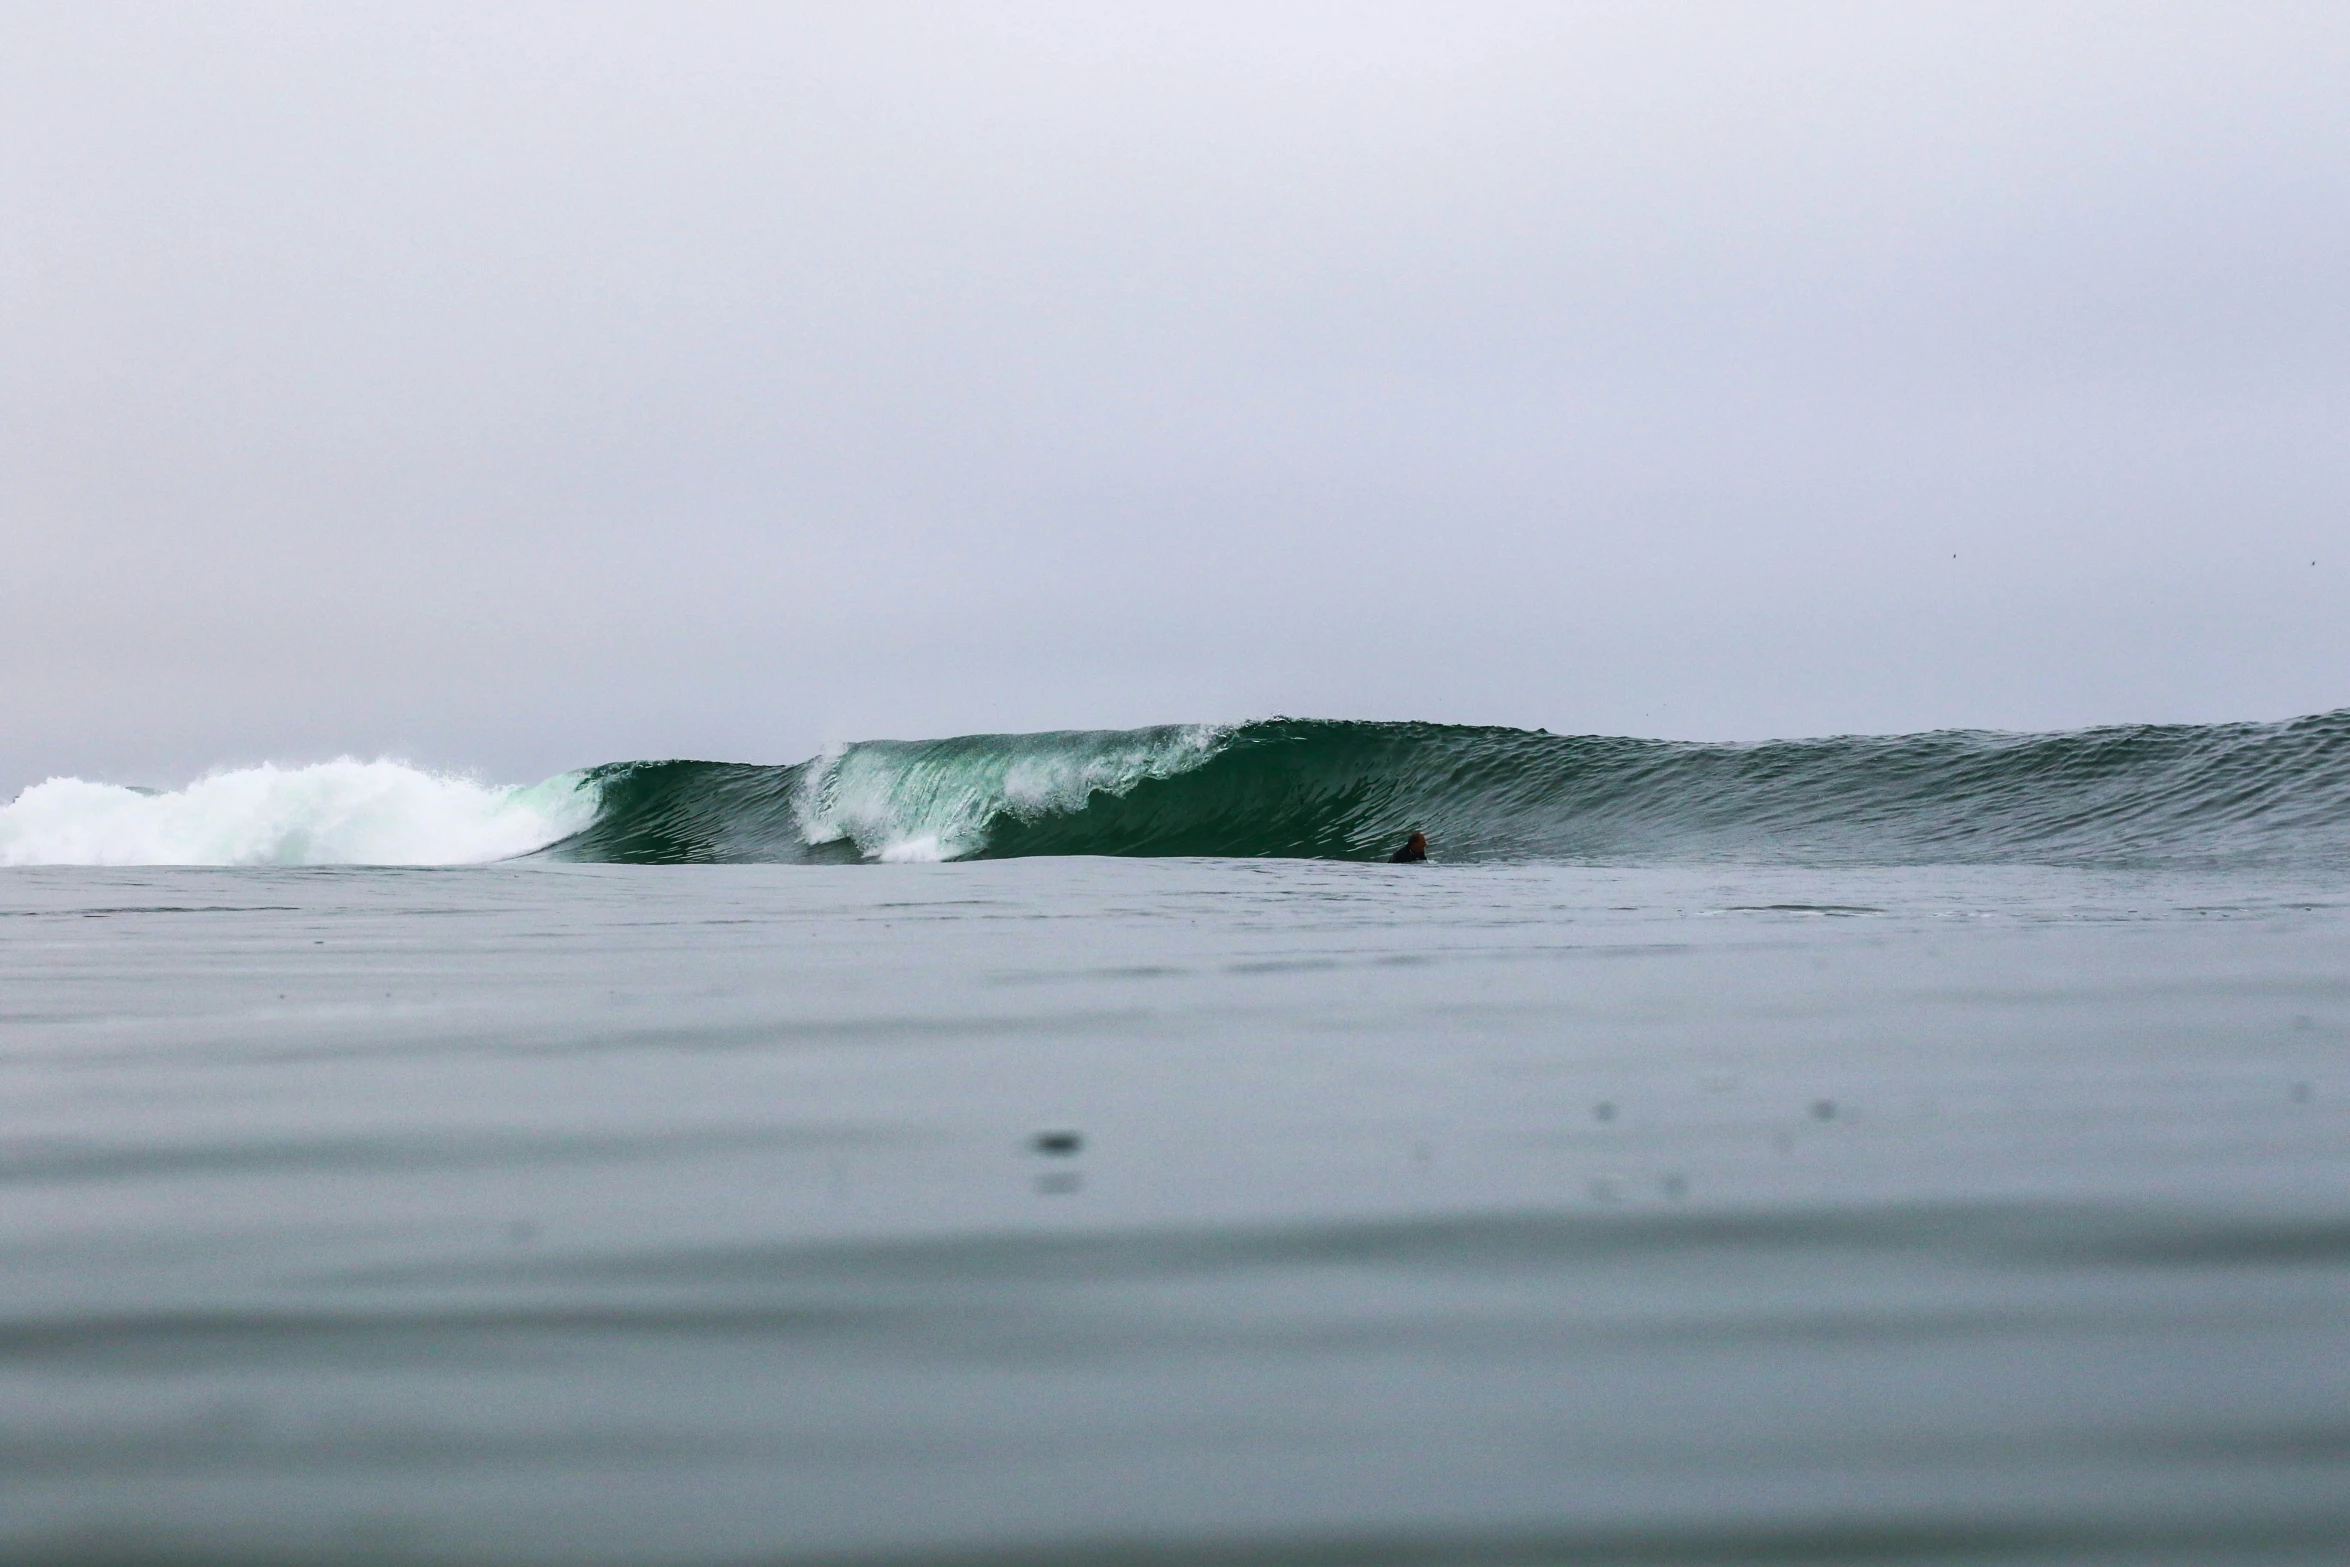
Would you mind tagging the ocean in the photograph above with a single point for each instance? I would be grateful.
(1085, 1149)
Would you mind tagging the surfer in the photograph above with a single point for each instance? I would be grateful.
(1415, 850)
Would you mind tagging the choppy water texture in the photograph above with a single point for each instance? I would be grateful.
(1194, 1211)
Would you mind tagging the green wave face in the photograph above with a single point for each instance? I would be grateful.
(1353, 791)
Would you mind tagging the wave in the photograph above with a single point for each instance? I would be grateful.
(1283, 787)
(331, 813)
(1354, 791)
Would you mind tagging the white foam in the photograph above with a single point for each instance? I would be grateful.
(343, 812)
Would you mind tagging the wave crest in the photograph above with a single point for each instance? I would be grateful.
(940, 799)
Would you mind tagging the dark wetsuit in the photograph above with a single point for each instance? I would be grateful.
(1411, 853)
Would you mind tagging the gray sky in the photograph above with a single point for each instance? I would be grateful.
(521, 387)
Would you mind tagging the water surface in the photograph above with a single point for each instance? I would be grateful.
(1076, 1210)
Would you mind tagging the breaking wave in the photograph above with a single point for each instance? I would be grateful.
(1337, 790)
(1281, 787)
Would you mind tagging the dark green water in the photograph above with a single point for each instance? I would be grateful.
(2134, 794)
(1464, 1213)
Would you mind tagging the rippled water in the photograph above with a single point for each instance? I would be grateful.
(1073, 1211)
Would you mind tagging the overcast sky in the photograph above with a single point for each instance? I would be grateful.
(521, 387)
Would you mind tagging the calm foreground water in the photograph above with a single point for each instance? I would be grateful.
(1507, 1213)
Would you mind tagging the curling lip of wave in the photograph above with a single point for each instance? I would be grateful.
(1348, 790)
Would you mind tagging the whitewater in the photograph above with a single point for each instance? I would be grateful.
(1292, 788)
(342, 812)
